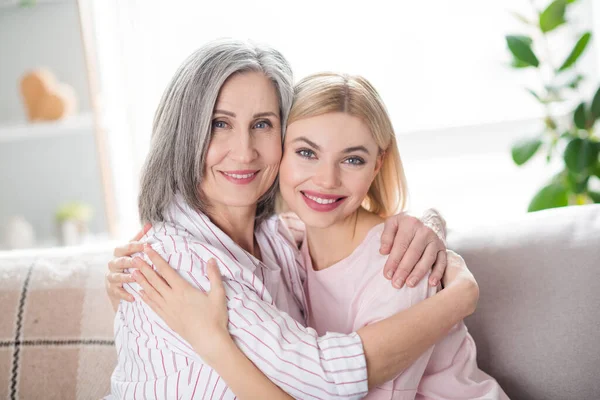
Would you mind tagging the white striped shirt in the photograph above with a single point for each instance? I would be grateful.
(266, 305)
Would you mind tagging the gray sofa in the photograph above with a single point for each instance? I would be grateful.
(537, 326)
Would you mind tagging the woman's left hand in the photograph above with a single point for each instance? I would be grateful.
(188, 310)
(413, 249)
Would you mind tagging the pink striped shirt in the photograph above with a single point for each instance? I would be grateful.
(266, 320)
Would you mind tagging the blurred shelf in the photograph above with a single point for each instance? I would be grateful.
(75, 125)
(27, 4)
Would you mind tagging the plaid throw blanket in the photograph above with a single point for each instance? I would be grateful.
(56, 330)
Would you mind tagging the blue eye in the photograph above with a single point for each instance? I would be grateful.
(355, 161)
(263, 125)
(219, 124)
(305, 153)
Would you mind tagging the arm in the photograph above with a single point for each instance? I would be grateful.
(294, 356)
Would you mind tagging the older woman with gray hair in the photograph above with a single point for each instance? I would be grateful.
(208, 190)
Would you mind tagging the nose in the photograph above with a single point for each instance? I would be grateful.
(327, 176)
(243, 149)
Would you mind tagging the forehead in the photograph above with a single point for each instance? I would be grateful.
(248, 91)
(332, 131)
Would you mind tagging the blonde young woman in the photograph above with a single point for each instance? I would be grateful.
(208, 190)
(341, 174)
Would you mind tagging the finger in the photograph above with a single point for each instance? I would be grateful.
(390, 227)
(149, 288)
(117, 278)
(123, 294)
(410, 258)
(142, 232)
(151, 276)
(169, 274)
(128, 249)
(214, 276)
(438, 268)
(152, 303)
(423, 266)
(120, 264)
(404, 236)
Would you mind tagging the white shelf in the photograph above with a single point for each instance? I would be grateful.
(17, 3)
(75, 125)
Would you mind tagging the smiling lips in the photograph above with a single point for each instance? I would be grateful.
(322, 202)
(240, 177)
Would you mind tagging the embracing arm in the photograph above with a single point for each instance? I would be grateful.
(295, 357)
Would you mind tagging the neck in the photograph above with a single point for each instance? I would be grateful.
(332, 244)
(237, 223)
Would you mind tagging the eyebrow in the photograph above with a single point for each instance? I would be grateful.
(317, 147)
(257, 115)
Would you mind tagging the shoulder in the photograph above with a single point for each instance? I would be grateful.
(293, 227)
(182, 250)
(286, 228)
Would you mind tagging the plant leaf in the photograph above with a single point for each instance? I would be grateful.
(550, 196)
(518, 64)
(520, 47)
(534, 94)
(578, 49)
(595, 196)
(522, 18)
(595, 108)
(581, 155)
(577, 183)
(553, 16)
(574, 83)
(579, 116)
(524, 149)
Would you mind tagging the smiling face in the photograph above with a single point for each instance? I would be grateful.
(328, 165)
(245, 148)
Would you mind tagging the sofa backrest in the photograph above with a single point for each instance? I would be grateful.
(537, 325)
(56, 330)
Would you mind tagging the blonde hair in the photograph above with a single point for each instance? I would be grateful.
(324, 93)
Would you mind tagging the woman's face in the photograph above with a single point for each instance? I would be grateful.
(245, 148)
(328, 165)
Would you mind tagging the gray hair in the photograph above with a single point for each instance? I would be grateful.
(182, 125)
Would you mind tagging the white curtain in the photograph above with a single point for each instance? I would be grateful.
(438, 64)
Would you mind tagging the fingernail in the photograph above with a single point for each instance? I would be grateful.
(398, 283)
(412, 282)
(389, 274)
(135, 275)
(433, 281)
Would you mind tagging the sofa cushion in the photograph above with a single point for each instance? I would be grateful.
(537, 323)
(56, 337)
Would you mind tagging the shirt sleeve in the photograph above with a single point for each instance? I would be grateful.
(291, 355)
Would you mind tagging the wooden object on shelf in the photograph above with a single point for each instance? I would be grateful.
(45, 98)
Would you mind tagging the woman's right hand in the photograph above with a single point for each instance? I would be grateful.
(456, 274)
(115, 276)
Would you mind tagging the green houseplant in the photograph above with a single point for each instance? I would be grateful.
(72, 219)
(571, 134)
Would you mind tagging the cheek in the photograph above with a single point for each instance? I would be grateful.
(270, 149)
(359, 183)
(292, 172)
